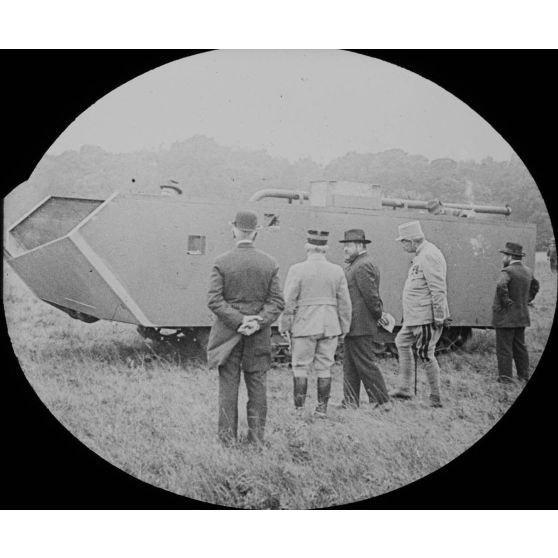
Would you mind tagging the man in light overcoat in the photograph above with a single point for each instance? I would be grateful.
(515, 289)
(246, 298)
(360, 362)
(317, 312)
(425, 310)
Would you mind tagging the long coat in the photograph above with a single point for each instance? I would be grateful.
(516, 287)
(243, 282)
(425, 290)
(317, 299)
(363, 279)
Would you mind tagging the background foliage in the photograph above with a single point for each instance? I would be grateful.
(209, 170)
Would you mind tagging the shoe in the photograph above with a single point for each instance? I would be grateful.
(345, 405)
(384, 407)
(505, 380)
(227, 441)
(254, 445)
(435, 401)
(401, 395)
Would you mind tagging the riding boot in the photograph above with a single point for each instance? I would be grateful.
(324, 389)
(300, 387)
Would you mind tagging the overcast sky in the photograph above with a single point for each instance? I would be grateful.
(320, 104)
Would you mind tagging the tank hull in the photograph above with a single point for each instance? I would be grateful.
(146, 260)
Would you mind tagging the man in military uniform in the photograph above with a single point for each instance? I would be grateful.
(359, 362)
(425, 310)
(515, 289)
(245, 296)
(317, 312)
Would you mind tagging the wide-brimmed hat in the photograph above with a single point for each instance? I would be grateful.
(355, 235)
(317, 238)
(410, 231)
(513, 249)
(246, 221)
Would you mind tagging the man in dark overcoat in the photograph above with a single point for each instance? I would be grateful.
(246, 298)
(359, 362)
(515, 289)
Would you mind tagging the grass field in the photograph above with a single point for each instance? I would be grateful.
(154, 416)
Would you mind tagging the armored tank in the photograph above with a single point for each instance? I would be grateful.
(145, 259)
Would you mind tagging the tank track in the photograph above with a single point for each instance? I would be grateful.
(192, 342)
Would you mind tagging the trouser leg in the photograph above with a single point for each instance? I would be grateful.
(303, 350)
(351, 379)
(426, 346)
(229, 380)
(323, 361)
(324, 356)
(369, 370)
(504, 352)
(520, 354)
(256, 407)
(404, 342)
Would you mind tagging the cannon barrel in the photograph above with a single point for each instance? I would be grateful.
(386, 202)
(419, 204)
(279, 193)
(493, 209)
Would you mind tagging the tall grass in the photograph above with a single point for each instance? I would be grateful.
(154, 415)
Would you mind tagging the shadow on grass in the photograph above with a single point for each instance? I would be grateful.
(116, 352)
(482, 341)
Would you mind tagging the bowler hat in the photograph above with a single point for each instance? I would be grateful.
(410, 231)
(513, 249)
(355, 235)
(317, 238)
(246, 221)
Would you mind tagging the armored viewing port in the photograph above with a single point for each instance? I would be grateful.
(52, 219)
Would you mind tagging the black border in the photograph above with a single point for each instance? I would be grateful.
(44, 467)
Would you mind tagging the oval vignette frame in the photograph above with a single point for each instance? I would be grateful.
(498, 431)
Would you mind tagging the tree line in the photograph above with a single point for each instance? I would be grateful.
(205, 169)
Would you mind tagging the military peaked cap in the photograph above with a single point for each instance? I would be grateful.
(317, 238)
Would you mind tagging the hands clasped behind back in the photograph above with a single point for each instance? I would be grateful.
(250, 324)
